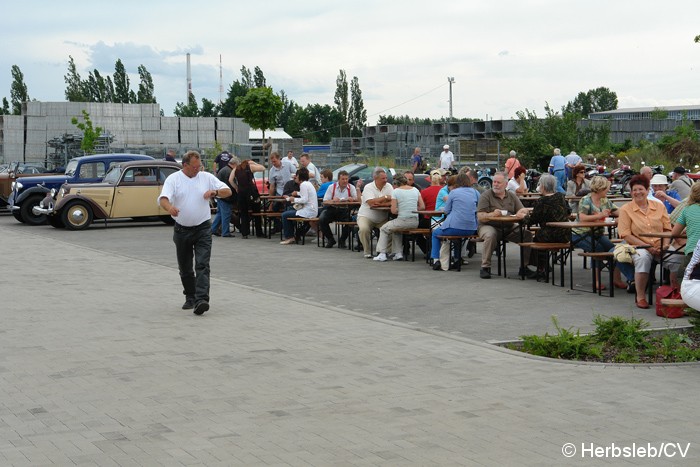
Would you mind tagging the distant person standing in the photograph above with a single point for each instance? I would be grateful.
(681, 182)
(417, 165)
(572, 160)
(511, 164)
(447, 159)
(557, 167)
(186, 196)
(222, 160)
(224, 205)
(293, 160)
(314, 174)
(170, 156)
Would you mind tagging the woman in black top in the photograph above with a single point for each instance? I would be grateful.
(247, 196)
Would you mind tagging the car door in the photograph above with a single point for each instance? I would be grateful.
(136, 193)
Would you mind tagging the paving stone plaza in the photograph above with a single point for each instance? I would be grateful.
(308, 356)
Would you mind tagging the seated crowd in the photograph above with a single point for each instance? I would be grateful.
(491, 217)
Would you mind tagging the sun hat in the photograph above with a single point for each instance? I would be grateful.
(447, 146)
(659, 179)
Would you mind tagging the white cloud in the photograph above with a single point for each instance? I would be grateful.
(505, 57)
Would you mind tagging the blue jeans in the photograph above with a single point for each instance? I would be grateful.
(561, 181)
(222, 218)
(435, 247)
(287, 225)
(194, 243)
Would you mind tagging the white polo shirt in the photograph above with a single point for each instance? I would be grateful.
(187, 194)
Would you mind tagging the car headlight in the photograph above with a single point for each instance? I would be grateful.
(17, 185)
(53, 192)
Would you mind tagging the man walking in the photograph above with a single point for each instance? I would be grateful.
(186, 196)
(447, 159)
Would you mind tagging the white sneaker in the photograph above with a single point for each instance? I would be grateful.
(398, 257)
(380, 257)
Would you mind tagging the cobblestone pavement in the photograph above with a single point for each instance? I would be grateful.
(100, 366)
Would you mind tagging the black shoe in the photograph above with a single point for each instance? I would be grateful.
(358, 247)
(485, 273)
(631, 287)
(471, 249)
(217, 234)
(342, 245)
(201, 307)
(527, 272)
(455, 265)
(330, 243)
(245, 237)
(189, 304)
(260, 235)
(437, 266)
(228, 236)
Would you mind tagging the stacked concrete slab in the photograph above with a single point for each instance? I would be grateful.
(135, 127)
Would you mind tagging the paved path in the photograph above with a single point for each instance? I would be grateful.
(99, 366)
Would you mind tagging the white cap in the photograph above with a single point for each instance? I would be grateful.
(447, 146)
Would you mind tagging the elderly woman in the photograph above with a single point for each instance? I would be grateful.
(595, 206)
(551, 207)
(305, 205)
(578, 185)
(641, 216)
(405, 200)
(517, 183)
(461, 215)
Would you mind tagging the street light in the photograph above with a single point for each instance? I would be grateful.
(450, 80)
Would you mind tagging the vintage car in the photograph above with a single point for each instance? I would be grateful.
(27, 192)
(11, 172)
(128, 190)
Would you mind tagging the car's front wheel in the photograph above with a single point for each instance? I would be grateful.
(18, 215)
(28, 217)
(56, 221)
(485, 183)
(77, 215)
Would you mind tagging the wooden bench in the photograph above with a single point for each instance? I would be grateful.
(340, 225)
(268, 218)
(299, 230)
(410, 236)
(557, 254)
(607, 260)
(456, 242)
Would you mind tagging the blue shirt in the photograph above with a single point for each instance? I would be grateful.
(557, 163)
(461, 209)
(322, 189)
(669, 206)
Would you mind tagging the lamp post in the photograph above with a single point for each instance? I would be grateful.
(450, 80)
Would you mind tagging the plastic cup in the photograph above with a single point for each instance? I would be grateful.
(504, 212)
(609, 219)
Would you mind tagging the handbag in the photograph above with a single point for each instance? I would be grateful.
(669, 311)
(623, 253)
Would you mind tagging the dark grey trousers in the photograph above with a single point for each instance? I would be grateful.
(193, 244)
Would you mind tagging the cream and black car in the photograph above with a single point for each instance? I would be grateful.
(128, 190)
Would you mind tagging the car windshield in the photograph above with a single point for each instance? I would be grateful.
(112, 176)
(70, 168)
(349, 168)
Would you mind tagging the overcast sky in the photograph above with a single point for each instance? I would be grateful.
(504, 56)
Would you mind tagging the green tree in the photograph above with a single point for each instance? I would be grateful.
(96, 87)
(208, 108)
(228, 107)
(595, 100)
(109, 90)
(289, 107)
(357, 115)
(121, 83)
(90, 134)
(189, 110)
(146, 94)
(259, 78)
(5, 107)
(341, 98)
(18, 90)
(659, 114)
(74, 85)
(259, 108)
(247, 78)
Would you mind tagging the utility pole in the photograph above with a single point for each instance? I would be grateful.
(450, 80)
